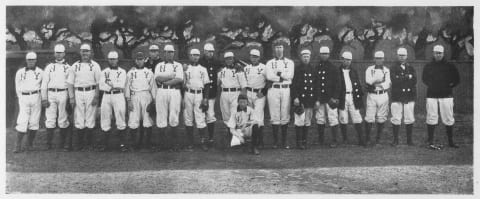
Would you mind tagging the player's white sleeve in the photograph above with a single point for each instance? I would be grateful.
(271, 73)
(179, 72)
(387, 83)
(97, 72)
(127, 84)
(242, 79)
(369, 76)
(17, 82)
(45, 81)
(71, 75)
(206, 78)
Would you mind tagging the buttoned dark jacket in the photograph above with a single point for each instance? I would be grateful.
(440, 77)
(327, 85)
(213, 67)
(303, 84)
(404, 83)
(357, 92)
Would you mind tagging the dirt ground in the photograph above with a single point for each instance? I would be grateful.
(346, 169)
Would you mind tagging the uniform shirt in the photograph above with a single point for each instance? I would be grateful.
(164, 69)
(196, 77)
(231, 78)
(212, 65)
(440, 77)
(55, 75)
(28, 80)
(255, 75)
(374, 73)
(84, 74)
(240, 117)
(116, 77)
(328, 82)
(303, 84)
(283, 65)
(139, 80)
(152, 63)
(404, 81)
(348, 82)
(356, 89)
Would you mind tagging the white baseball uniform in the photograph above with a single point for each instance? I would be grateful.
(54, 89)
(377, 100)
(27, 87)
(240, 124)
(84, 77)
(195, 79)
(349, 105)
(256, 80)
(446, 111)
(168, 99)
(304, 119)
(112, 85)
(279, 94)
(231, 82)
(140, 89)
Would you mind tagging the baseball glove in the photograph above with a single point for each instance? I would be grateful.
(298, 109)
(333, 103)
(152, 110)
(204, 106)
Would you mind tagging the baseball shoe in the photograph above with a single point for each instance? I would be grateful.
(433, 147)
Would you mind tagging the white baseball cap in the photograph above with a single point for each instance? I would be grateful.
(59, 48)
(402, 51)
(168, 47)
(208, 47)
(112, 55)
(379, 54)
(347, 55)
(154, 47)
(306, 51)
(255, 52)
(31, 55)
(228, 54)
(85, 47)
(438, 48)
(194, 51)
(324, 49)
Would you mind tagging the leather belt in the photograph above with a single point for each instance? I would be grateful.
(348, 93)
(166, 86)
(30, 93)
(230, 89)
(281, 86)
(112, 92)
(194, 91)
(255, 90)
(85, 88)
(57, 89)
(378, 92)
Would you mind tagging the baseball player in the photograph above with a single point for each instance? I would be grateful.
(256, 80)
(241, 123)
(303, 96)
(280, 71)
(404, 92)
(327, 90)
(55, 96)
(112, 86)
(83, 79)
(139, 92)
(213, 65)
(350, 101)
(232, 81)
(27, 86)
(154, 57)
(196, 94)
(168, 99)
(378, 82)
(440, 77)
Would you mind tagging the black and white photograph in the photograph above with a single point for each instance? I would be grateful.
(239, 99)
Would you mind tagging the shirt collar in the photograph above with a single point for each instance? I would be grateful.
(32, 69)
(240, 109)
(60, 62)
(282, 58)
(378, 67)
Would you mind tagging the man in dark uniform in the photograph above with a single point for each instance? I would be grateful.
(154, 57)
(440, 77)
(327, 91)
(404, 81)
(303, 97)
(213, 65)
(350, 98)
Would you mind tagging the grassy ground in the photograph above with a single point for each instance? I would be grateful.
(346, 169)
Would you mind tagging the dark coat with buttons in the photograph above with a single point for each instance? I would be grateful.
(213, 66)
(357, 92)
(440, 77)
(303, 85)
(404, 83)
(327, 85)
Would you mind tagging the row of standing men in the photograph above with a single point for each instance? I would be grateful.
(328, 92)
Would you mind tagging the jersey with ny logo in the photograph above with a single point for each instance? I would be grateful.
(28, 80)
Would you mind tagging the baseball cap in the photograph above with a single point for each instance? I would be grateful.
(194, 51)
(306, 51)
(228, 54)
(31, 55)
(112, 55)
(154, 47)
(347, 55)
(169, 48)
(208, 47)
(379, 54)
(85, 47)
(139, 55)
(59, 48)
(255, 52)
(324, 49)
(402, 51)
(438, 48)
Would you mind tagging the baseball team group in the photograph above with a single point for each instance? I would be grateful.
(156, 91)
